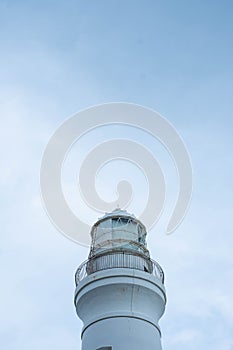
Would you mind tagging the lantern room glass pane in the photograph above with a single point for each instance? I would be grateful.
(119, 233)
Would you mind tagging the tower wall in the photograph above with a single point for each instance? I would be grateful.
(120, 308)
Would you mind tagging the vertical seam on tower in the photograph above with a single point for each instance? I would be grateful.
(132, 293)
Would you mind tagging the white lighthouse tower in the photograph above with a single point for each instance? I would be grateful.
(120, 294)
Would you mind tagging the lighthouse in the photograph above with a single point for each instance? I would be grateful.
(120, 294)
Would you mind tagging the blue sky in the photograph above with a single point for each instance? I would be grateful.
(58, 57)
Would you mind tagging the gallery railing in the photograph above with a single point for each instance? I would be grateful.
(120, 259)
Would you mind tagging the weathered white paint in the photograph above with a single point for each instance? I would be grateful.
(120, 307)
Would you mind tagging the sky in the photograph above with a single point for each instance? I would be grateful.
(58, 57)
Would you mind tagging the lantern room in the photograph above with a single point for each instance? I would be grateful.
(118, 231)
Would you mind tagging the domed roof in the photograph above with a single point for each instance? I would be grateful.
(117, 212)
